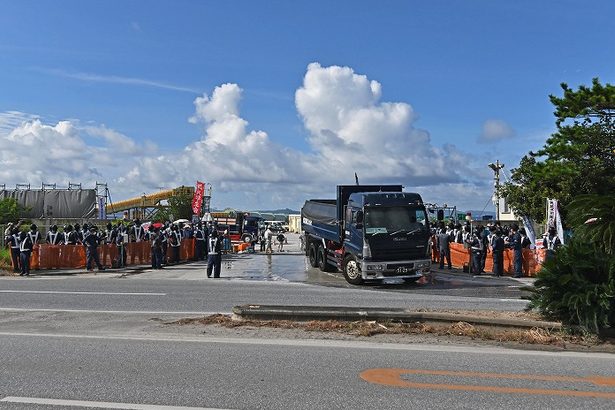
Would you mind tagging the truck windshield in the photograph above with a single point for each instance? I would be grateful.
(394, 219)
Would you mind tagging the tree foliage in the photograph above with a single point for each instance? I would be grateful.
(9, 210)
(180, 207)
(593, 217)
(579, 158)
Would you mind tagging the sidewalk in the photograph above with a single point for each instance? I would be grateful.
(458, 273)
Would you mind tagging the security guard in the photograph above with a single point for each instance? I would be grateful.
(53, 237)
(13, 240)
(214, 254)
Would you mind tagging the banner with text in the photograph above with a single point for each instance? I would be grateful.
(197, 200)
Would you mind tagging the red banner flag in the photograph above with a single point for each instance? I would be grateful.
(197, 200)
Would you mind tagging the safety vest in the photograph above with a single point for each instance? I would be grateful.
(51, 237)
(33, 238)
(16, 241)
(212, 246)
(23, 246)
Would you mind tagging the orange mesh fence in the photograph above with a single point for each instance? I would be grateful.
(532, 259)
(73, 256)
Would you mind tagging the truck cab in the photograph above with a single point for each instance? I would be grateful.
(386, 234)
(370, 232)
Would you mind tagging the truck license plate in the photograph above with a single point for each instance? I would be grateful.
(402, 269)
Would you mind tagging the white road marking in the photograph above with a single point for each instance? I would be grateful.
(57, 292)
(514, 300)
(96, 404)
(143, 312)
(321, 343)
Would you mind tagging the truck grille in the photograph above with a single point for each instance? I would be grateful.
(398, 254)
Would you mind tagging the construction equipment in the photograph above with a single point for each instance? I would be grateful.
(154, 200)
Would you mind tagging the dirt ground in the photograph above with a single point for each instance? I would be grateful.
(391, 332)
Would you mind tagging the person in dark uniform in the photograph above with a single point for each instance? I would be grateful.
(214, 254)
(54, 237)
(497, 250)
(156, 244)
(25, 249)
(175, 241)
(444, 246)
(515, 244)
(475, 246)
(78, 234)
(199, 243)
(13, 240)
(91, 242)
(34, 234)
(70, 236)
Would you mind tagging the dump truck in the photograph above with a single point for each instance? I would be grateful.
(369, 232)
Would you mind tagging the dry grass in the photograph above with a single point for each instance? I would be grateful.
(534, 336)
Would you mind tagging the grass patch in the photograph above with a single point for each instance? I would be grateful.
(6, 267)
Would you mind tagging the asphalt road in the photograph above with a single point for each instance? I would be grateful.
(258, 279)
(297, 374)
(99, 341)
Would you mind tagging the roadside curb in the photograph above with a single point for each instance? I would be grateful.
(302, 313)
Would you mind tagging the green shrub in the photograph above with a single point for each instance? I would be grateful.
(5, 259)
(577, 287)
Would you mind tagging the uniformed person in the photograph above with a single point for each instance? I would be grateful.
(13, 240)
(214, 254)
(551, 242)
(54, 237)
(25, 250)
(497, 248)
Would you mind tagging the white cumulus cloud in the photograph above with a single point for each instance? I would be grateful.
(495, 130)
(350, 129)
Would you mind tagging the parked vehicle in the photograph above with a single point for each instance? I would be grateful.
(369, 232)
(242, 226)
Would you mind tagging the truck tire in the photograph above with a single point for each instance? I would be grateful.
(312, 254)
(246, 238)
(352, 271)
(321, 258)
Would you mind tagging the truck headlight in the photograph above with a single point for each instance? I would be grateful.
(367, 252)
(375, 267)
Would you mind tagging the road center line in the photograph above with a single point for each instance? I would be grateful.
(96, 404)
(57, 292)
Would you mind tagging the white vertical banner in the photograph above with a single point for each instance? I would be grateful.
(529, 229)
(554, 219)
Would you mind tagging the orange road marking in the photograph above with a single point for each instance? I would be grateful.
(392, 377)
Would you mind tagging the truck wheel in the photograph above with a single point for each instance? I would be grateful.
(321, 257)
(246, 238)
(312, 255)
(352, 271)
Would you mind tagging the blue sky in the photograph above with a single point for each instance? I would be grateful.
(127, 73)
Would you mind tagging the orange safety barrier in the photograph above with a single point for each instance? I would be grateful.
(532, 259)
(73, 256)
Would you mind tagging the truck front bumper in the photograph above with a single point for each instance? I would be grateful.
(409, 269)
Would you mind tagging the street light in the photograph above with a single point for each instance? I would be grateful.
(496, 186)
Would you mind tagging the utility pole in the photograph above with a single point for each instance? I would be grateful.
(496, 186)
